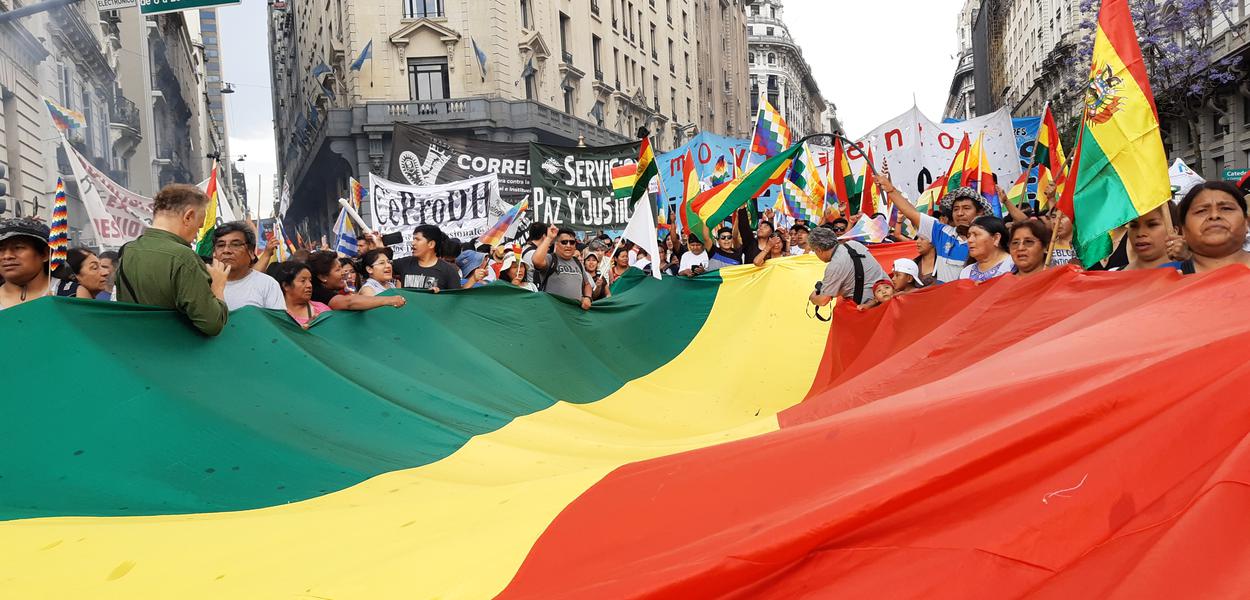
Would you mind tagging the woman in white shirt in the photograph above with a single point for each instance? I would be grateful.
(376, 268)
(987, 250)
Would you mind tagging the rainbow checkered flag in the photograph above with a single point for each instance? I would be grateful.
(772, 134)
(64, 118)
(58, 236)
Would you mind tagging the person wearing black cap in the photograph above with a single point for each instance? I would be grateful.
(24, 262)
(160, 268)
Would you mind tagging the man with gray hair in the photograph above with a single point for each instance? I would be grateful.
(852, 270)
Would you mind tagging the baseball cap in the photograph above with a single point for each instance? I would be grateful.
(23, 227)
(908, 266)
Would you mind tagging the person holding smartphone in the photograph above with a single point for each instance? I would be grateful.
(694, 261)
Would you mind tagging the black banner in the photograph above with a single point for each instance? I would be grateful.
(419, 157)
(572, 187)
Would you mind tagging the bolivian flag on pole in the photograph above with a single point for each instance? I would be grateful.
(204, 241)
(1119, 171)
(646, 171)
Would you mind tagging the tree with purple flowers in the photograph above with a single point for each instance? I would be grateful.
(1177, 43)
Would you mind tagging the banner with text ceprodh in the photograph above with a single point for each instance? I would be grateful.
(461, 209)
(572, 187)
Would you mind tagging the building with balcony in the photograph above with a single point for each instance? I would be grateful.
(961, 103)
(723, 76)
(779, 70)
(23, 154)
(503, 70)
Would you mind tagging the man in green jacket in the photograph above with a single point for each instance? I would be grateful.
(160, 268)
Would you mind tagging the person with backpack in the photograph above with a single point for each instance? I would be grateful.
(562, 273)
(539, 237)
(852, 270)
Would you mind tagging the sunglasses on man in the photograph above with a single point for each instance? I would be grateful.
(568, 242)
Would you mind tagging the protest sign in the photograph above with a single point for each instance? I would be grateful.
(572, 187)
(461, 209)
(420, 157)
(117, 214)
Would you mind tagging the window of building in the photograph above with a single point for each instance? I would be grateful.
(755, 10)
(689, 111)
(1219, 117)
(653, 50)
(206, 27)
(751, 58)
(527, 18)
(672, 102)
(687, 66)
(684, 31)
(772, 58)
(423, 9)
(1245, 112)
(211, 40)
(595, 50)
(672, 58)
(769, 30)
(755, 96)
(564, 38)
(568, 99)
(427, 79)
(531, 87)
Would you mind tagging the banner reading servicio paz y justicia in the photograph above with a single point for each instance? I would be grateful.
(572, 187)
(420, 157)
(461, 209)
(117, 214)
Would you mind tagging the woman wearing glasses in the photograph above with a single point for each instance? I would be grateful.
(376, 268)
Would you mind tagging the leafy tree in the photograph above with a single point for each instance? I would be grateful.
(1177, 40)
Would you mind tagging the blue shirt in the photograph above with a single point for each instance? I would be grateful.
(952, 251)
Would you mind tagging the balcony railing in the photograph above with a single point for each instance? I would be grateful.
(124, 112)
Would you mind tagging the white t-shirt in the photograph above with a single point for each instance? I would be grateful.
(974, 272)
(690, 259)
(797, 251)
(257, 289)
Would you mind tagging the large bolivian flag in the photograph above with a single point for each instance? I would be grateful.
(496, 442)
(1119, 170)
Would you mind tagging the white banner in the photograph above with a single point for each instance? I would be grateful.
(117, 214)
(462, 209)
(917, 151)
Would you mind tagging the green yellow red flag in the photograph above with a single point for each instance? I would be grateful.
(1119, 171)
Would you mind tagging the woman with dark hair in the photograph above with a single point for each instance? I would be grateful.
(24, 262)
(926, 260)
(296, 281)
(1149, 235)
(1028, 246)
(601, 283)
(620, 264)
(85, 271)
(377, 271)
(347, 267)
(987, 250)
(1213, 222)
(329, 287)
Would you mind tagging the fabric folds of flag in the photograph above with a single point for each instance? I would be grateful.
(357, 193)
(870, 195)
(842, 185)
(690, 190)
(1019, 192)
(1048, 156)
(623, 178)
(772, 133)
(868, 230)
(979, 175)
(713, 206)
(647, 170)
(955, 174)
(1119, 170)
(345, 237)
(58, 235)
(806, 177)
(365, 55)
(284, 248)
(64, 118)
(204, 239)
(506, 226)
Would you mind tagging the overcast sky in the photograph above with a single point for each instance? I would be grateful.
(869, 57)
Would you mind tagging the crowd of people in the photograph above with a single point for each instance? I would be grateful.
(961, 240)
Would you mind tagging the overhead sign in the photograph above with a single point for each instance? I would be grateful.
(117, 214)
(156, 7)
(117, 4)
(573, 186)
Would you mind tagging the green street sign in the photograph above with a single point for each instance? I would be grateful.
(156, 7)
(1234, 174)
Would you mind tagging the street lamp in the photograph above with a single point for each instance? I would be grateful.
(227, 88)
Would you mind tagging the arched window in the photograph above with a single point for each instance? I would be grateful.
(751, 58)
(772, 58)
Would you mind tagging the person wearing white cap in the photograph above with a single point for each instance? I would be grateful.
(906, 276)
(515, 273)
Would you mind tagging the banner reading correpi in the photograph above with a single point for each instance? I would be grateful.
(461, 209)
(572, 187)
(420, 157)
(117, 214)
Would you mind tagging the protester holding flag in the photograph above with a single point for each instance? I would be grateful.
(86, 273)
(987, 250)
(160, 268)
(376, 268)
(234, 244)
(1063, 252)
(1149, 235)
(24, 257)
(961, 207)
(778, 247)
(1028, 246)
(1213, 221)
(725, 253)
